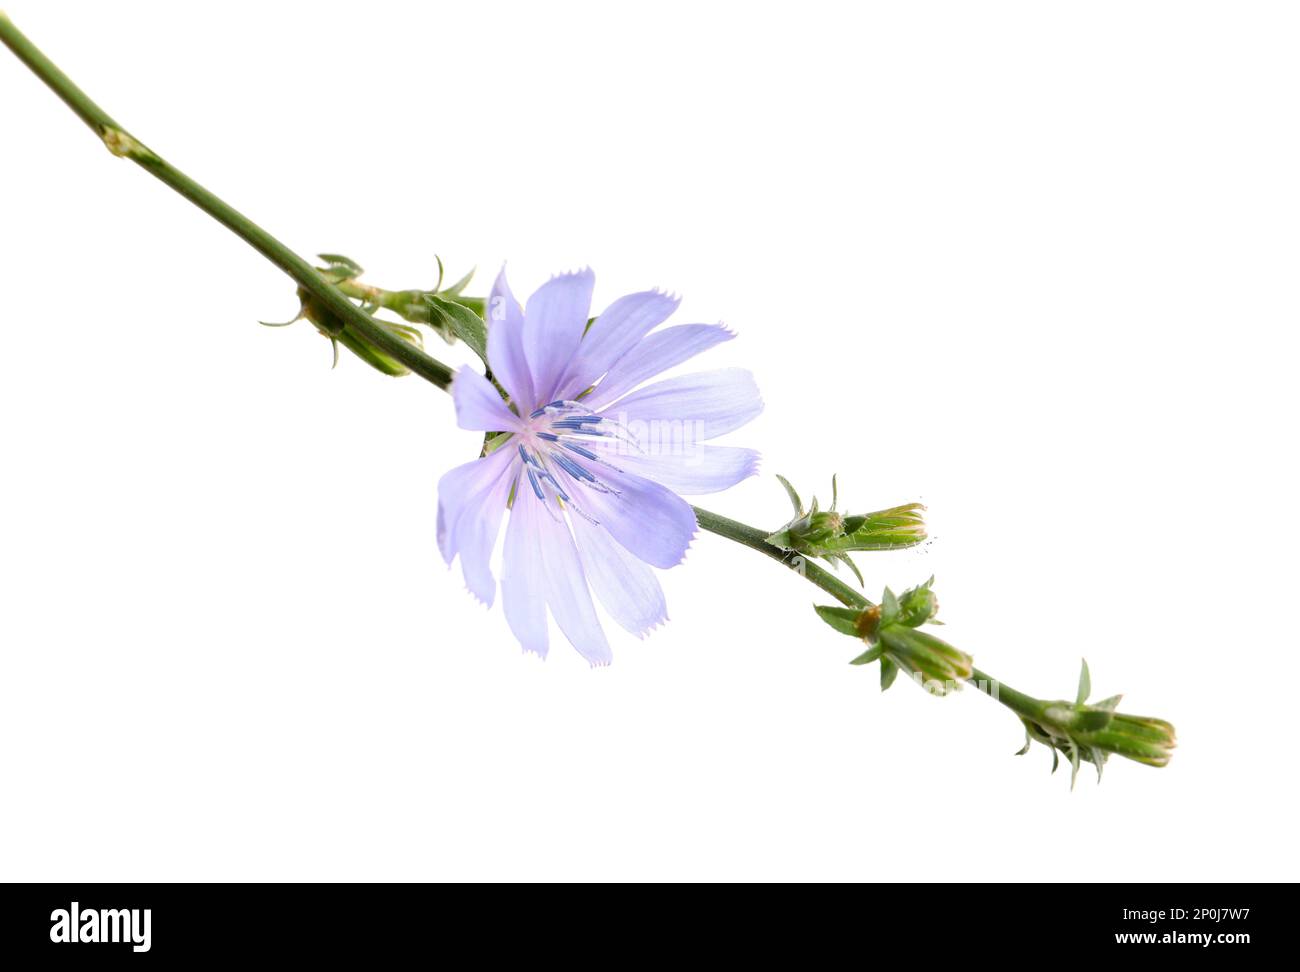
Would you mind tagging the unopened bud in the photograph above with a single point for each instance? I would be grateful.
(1092, 733)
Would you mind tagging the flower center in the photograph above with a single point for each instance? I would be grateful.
(565, 449)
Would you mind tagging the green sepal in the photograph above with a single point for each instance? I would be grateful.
(888, 672)
(870, 655)
(889, 608)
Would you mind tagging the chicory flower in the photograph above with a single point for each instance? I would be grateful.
(591, 464)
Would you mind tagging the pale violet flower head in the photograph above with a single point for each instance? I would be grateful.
(593, 463)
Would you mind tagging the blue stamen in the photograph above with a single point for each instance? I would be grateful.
(573, 469)
(585, 453)
(577, 427)
(542, 411)
(536, 488)
(548, 436)
(551, 479)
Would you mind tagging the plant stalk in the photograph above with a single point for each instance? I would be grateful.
(124, 145)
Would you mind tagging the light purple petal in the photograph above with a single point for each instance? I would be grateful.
(567, 593)
(554, 319)
(613, 334)
(542, 569)
(692, 408)
(505, 348)
(478, 406)
(523, 590)
(695, 470)
(471, 501)
(462, 489)
(476, 534)
(653, 523)
(653, 355)
(626, 587)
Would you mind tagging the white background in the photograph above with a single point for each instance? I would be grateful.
(1032, 264)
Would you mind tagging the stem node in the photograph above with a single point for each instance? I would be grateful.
(123, 145)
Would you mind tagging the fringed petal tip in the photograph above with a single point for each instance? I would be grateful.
(649, 629)
(486, 602)
(569, 274)
(690, 541)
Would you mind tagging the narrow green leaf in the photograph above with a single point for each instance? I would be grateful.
(853, 567)
(794, 496)
(842, 619)
(455, 289)
(338, 260)
(461, 321)
(1085, 684)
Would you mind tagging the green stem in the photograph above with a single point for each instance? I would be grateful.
(756, 539)
(1017, 702)
(122, 144)
(335, 299)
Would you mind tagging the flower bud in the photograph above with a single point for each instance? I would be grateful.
(918, 605)
(1092, 733)
(933, 663)
(826, 533)
(891, 630)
